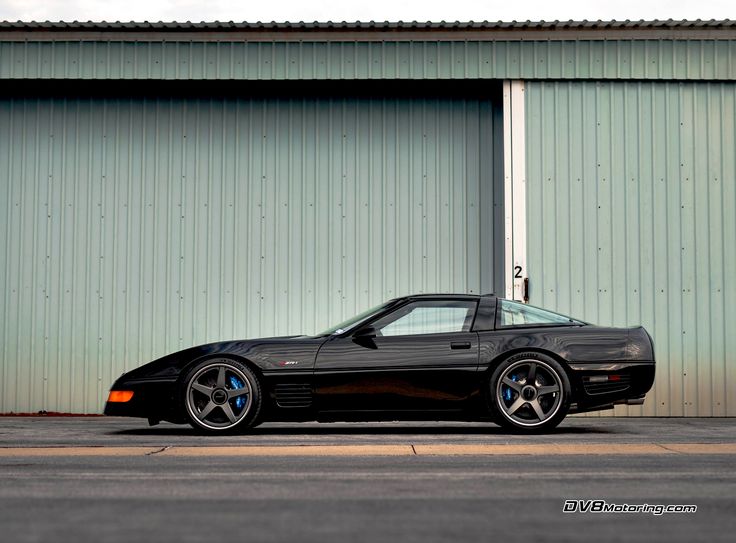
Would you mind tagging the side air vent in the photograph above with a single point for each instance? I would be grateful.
(293, 395)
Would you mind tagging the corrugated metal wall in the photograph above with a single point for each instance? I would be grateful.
(528, 59)
(135, 228)
(632, 219)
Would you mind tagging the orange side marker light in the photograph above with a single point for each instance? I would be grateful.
(120, 396)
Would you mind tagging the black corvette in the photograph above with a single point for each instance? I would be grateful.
(424, 357)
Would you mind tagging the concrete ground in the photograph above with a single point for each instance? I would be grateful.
(110, 479)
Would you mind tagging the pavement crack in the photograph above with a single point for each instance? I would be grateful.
(413, 449)
(162, 449)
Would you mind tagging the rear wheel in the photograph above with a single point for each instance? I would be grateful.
(221, 395)
(529, 392)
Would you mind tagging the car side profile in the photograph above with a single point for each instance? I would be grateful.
(422, 357)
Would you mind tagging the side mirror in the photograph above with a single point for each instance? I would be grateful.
(365, 332)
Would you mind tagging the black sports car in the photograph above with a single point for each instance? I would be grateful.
(423, 357)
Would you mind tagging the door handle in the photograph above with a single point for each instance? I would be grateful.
(460, 345)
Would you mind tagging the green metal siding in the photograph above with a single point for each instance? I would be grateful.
(135, 228)
(631, 191)
(581, 59)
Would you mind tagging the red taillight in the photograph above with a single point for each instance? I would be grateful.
(120, 396)
(604, 378)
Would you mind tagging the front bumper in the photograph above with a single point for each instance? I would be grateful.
(152, 399)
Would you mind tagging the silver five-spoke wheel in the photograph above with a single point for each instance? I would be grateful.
(529, 393)
(218, 396)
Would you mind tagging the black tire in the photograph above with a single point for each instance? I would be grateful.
(529, 407)
(220, 396)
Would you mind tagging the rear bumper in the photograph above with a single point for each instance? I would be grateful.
(592, 392)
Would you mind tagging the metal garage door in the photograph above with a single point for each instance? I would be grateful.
(137, 227)
(632, 219)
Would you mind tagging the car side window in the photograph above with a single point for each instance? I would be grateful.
(517, 314)
(427, 317)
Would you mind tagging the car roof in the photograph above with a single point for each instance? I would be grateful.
(444, 296)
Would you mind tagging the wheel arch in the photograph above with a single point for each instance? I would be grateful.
(187, 368)
(493, 364)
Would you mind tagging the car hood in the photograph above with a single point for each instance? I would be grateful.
(268, 354)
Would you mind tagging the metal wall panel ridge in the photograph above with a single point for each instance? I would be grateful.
(632, 220)
(571, 59)
(134, 228)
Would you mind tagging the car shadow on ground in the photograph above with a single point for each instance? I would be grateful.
(328, 430)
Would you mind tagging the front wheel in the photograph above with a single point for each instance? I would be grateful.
(221, 395)
(529, 392)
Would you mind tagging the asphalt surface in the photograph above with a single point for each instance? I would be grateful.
(106, 479)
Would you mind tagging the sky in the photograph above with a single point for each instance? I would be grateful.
(361, 10)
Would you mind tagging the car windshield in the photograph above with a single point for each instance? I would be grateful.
(346, 325)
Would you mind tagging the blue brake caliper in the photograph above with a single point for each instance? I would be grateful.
(507, 390)
(235, 383)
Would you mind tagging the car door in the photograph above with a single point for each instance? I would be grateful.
(420, 356)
